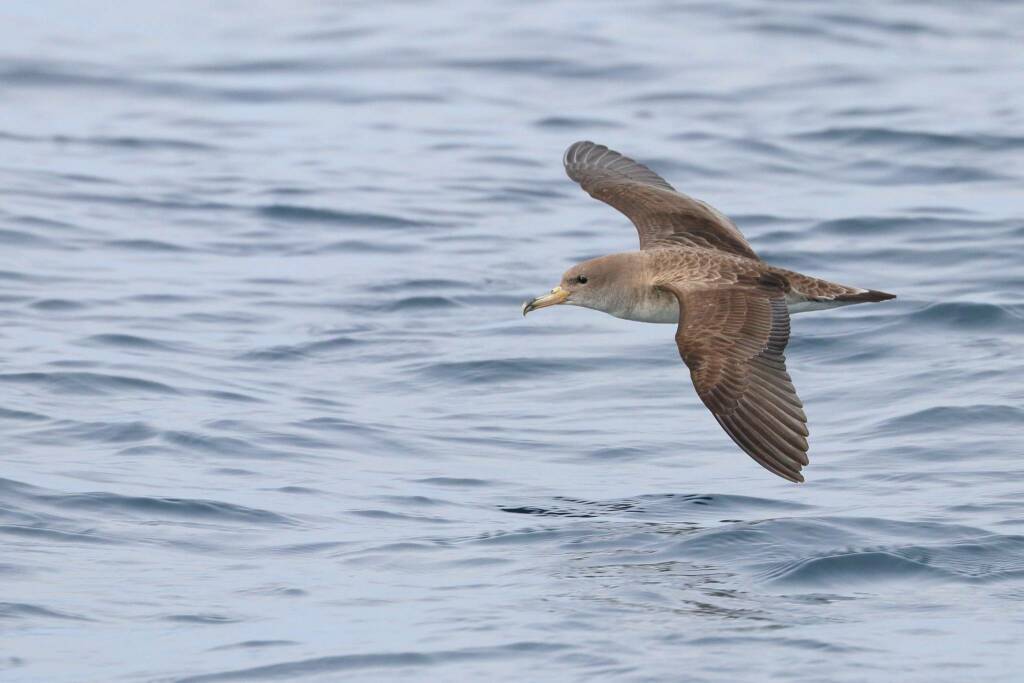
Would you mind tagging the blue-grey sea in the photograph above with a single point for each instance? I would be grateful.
(269, 409)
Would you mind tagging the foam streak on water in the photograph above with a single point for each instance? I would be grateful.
(270, 412)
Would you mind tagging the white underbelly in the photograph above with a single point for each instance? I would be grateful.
(664, 311)
(801, 305)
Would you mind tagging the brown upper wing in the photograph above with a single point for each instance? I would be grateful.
(662, 216)
(732, 339)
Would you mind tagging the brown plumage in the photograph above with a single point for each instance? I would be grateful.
(732, 340)
(696, 269)
(662, 216)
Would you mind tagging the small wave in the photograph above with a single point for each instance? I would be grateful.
(678, 96)
(503, 370)
(57, 305)
(167, 508)
(576, 507)
(54, 535)
(547, 512)
(129, 341)
(528, 536)
(262, 66)
(69, 76)
(414, 501)
(739, 543)
(388, 515)
(652, 507)
(575, 123)
(87, 383)
(253, 644)
(225, 317)
(758, 642)
(220, 445)
(163, 298)
(359, 247)
(717, 502)
(913, 140)
(804, 31)
(14, 276)
(98, 432)
(422, 303)
(117, 142)
(402, 547)
(337, 424)
(320, 666)
(311, 548)
(289, 212)
(943, 418)
(296, 440)
(967, 315)
(458, 482)
(7, 414)
(895, 26)
(12, 486)
(338, 35)
(22, 610)
(299, 490)
(507, 160)
(848, 569)
(10, 570)
(527, 192)
(297, 351)
(201, 619)
(146, 245)
(45, 222)
(229, 396)
(620, 453)
(124, 200)
(922, 226)
(553, 68)
(418, 284)
(919, 174)
(16, 238)
(837, 552)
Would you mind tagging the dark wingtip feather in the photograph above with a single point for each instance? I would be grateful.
(870, 296)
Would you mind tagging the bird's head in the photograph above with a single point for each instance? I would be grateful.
(596, 283)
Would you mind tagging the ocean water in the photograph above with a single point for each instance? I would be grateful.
(269, 409)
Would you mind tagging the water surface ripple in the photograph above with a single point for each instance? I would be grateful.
(270, 411)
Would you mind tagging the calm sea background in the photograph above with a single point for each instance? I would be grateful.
(269, 410)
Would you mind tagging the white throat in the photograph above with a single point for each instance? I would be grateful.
(652, 306)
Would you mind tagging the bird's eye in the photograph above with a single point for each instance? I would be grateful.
(582, 279)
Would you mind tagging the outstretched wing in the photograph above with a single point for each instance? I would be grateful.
(662, 216)
(732, 339)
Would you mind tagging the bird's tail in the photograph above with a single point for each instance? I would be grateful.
(866, 296)
(806, 293)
